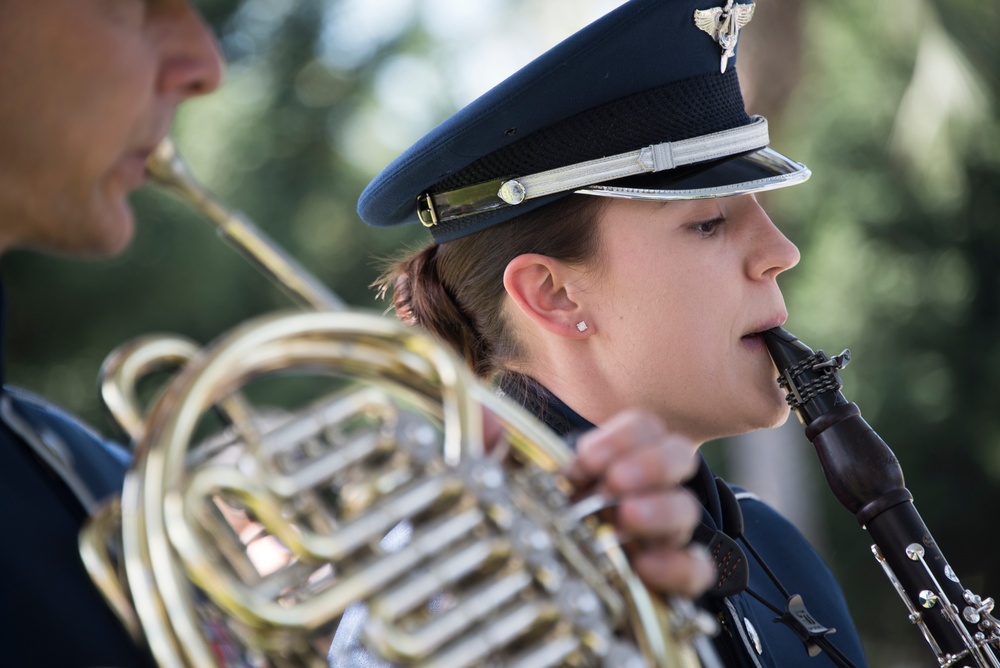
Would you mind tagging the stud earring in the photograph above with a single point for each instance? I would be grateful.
(582, 326)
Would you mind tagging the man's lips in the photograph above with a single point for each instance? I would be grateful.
(132, 168)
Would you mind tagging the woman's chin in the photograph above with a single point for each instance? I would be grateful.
(769, 415)
(780, 417)
(776, 413)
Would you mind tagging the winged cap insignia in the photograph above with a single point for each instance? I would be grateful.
(723, 24)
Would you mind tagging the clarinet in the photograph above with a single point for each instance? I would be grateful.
(867, 479)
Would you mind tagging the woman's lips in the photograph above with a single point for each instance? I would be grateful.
(753, 342)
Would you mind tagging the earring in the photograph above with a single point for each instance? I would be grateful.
(582, 326)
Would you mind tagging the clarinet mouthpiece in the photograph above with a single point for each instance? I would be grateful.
(785, 348)
(809, 377)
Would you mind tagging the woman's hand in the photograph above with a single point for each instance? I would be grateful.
(633, 459)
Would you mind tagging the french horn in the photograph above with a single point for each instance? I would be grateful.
(314, 463)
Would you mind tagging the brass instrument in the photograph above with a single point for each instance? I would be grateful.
(243, 543)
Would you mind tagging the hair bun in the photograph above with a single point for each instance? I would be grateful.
(401, 300)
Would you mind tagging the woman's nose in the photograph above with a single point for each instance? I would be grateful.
(774, 252)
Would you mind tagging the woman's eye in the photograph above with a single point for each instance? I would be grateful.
(709, 227)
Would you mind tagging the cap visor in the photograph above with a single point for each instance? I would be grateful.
(764, 169)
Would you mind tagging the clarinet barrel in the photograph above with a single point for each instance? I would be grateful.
(867, 479)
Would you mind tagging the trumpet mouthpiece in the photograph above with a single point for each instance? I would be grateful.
(165, 165)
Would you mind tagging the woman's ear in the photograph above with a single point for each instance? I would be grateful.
(542, 290)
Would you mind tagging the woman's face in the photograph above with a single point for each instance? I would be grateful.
(678, 292)
(87, 90)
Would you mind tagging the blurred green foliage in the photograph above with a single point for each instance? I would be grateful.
(896, 113)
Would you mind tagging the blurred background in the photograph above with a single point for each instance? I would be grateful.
(893, 104)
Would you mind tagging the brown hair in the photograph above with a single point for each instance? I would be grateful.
(456, 291)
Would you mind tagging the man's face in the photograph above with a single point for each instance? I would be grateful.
(87, 89)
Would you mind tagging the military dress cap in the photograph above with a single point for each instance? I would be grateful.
(643, 103)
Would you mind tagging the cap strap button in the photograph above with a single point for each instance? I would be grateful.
(512, 192)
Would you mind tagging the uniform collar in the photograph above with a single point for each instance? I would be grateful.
(539, 401)
(566, 422)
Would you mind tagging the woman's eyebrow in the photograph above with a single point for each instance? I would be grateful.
(697, 212)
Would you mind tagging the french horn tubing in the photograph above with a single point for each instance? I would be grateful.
(311, 463)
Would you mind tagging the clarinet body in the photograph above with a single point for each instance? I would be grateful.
(867, 479)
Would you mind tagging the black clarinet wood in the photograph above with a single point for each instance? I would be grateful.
(867, 479)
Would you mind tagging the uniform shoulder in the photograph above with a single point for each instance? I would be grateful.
(92, 466)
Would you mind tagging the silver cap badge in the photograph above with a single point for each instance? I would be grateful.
(723, 24)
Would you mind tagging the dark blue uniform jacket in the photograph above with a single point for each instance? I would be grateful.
(54, 471)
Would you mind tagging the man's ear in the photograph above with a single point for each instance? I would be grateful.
(541, 289)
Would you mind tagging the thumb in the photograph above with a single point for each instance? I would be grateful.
(492, 429)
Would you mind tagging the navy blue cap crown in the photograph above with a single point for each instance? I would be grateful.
(641, 85)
